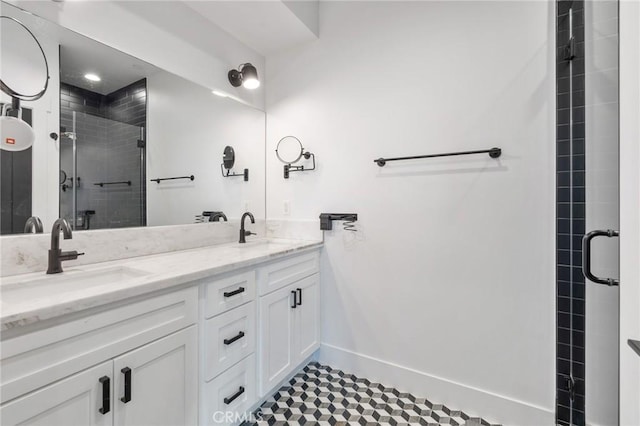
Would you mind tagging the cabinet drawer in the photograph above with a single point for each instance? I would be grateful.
(283, 273)
(230, 395)
(36, 359)
(227, 293)
(229, 338)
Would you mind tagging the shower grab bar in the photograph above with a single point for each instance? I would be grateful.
(493, 153)
(586, 256)
(157, 180)
(101, 184)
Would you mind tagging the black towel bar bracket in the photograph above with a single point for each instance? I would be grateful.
(493, 153)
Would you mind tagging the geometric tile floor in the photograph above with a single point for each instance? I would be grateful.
(320, 395)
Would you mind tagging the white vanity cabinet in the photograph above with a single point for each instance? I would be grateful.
(229, 387)
(204, 354)
(75, 373)
(289, 318)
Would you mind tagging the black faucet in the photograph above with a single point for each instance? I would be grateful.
(56, 255)
(33, 225)
(244, 233)
(215, 216)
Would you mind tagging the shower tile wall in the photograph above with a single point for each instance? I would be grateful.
(570, 214)
(108, 128)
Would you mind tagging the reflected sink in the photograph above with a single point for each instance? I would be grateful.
(69, 281)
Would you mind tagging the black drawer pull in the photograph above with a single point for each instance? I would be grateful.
(299, 290)
(233, 339)
(106, 394)
(295, 303)
(234, 292)
(127, 385)
(233, 397)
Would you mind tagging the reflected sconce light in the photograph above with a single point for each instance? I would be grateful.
(246, 75)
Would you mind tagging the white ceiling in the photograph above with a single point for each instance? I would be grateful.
(80, 55)
(266, 26)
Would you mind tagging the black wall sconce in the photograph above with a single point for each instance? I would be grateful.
(228, 160)
(246, 76)
(290, 150)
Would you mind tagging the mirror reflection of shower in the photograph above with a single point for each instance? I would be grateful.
(102, 155)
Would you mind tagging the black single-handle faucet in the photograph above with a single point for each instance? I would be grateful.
(244, 233)
(56, 255)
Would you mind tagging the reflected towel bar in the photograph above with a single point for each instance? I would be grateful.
(101, 184)
(157, 180)
(493, 153)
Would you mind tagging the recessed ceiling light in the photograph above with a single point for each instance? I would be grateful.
(218, 93)
(92, 77)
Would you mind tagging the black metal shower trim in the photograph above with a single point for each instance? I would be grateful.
(570, 213)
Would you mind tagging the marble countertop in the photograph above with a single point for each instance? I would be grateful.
(29, 298)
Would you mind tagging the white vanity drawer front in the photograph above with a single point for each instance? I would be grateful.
(280, 274)
(231, 394)
(227, 293)
(39, 358)
(229, 338)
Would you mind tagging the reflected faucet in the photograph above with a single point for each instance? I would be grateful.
(244, 233)
(216, 216)
(56, 255)
(33, 225)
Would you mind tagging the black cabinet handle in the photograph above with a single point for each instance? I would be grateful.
(295, 303)
(299, 302)
(127, 385)
(106, 394)
(234, 292)
(233, 397)
(233, 339)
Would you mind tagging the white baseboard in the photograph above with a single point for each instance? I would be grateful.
(474, 402)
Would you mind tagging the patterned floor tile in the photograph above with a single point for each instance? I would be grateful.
(320, 395)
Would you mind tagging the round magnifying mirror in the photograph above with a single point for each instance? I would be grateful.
(228, 158)
(24, 73)
(289, 150)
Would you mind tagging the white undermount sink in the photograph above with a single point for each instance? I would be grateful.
(68, 281)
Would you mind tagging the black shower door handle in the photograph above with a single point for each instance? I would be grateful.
(586, 256)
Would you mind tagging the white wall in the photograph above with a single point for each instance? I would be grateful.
(188, 130)
(448, 287)
(167, 34)
(629, 211)
(46, 119)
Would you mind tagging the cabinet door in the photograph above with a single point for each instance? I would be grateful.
(276, 337)
(307, 318)
(74, 401)
(157, 383)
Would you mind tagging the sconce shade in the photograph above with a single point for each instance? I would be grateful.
(247, 76)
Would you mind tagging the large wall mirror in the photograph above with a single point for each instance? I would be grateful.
(111, 134)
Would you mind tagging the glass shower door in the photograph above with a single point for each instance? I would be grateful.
(588, 213)
(600, 244)
(104, 164)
